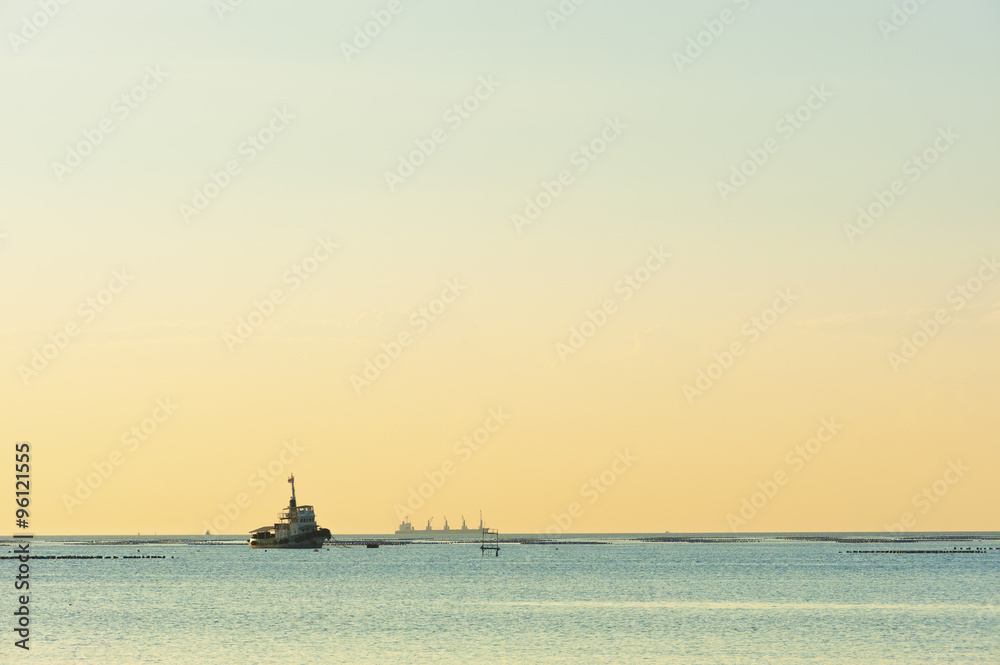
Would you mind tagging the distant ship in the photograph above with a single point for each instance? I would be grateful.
(406, 529)
(296, 528)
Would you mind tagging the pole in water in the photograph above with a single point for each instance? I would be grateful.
(490, 542)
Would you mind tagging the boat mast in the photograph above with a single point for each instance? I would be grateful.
(291, 479)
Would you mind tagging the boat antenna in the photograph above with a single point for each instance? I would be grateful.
(291, 479)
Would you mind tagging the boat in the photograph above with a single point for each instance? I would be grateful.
(407, 529)
(295, 529)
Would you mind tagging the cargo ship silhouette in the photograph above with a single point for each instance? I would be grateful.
(406, 529)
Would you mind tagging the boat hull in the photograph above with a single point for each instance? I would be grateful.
(302, 545)
(301, 542)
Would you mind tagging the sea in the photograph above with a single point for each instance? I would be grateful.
(619, 598)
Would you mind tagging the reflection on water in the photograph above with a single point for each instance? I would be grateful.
(767, 600)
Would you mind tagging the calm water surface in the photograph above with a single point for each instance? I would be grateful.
(774, 601)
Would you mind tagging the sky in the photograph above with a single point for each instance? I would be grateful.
(607, 267)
